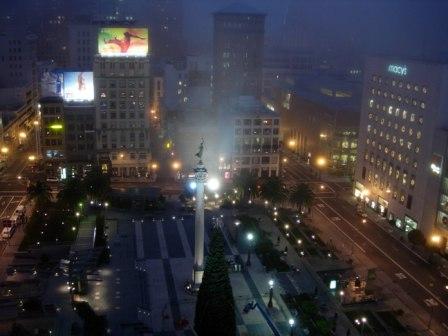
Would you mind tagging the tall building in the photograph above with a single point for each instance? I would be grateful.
(320, 118)
(255, 131)
(401, 169)
(165, 22)
(237, 53)
(122, 83)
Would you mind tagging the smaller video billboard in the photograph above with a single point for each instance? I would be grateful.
(113, 42)
(78, 86)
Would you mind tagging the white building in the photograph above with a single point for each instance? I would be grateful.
(122, 114)
(256, 138)
(402, 144)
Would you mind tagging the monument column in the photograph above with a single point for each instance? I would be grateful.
(198, 268)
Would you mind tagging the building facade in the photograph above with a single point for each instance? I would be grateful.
(237, 53)
(402, 143)
(256, 139)
(320, 118)
(122, 114)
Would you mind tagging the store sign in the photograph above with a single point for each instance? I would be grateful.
(401, 70)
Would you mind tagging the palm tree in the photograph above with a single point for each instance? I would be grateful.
(301, 195)
(273, 190)
(246, 185)
(72, 193)
(39, 192)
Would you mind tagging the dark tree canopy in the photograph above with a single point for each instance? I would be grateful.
(215, 307)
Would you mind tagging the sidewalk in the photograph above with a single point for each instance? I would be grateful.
(308, 279)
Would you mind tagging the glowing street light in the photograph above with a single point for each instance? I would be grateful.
(291, 323)
(213, 184)
(271, 292)
(192, 185)
(154, 166)
(31, 158)
(291, 143)
(4, 150)
(321, 161)
(250, 238)
(176, 165)
(436, 239)
(22, 135)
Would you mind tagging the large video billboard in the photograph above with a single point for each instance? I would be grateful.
(115, 42)
(78, 86)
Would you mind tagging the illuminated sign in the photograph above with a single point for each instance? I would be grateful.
(436, 164)
(78, 86)
(401, 70)
(113, 42)
(56, 127)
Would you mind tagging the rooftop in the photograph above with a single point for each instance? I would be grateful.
(239, 8)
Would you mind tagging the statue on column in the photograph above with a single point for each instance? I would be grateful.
(201, 150)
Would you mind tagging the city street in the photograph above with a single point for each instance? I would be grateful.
(408, 270)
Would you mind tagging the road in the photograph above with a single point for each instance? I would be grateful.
(421, 281)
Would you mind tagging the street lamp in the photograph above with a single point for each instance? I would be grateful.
(77, 214)
(22, 136)
(5, 150)
(271, 292)
(213, 184)
(176, 165)
(291, 325)
(31, 158)
(321, 162)
(362, 322)
(250, 238)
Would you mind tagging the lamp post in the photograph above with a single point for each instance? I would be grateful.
(321, 162)
(271, 292)
(362, 322)
(291, 322)
(237, 225)
(250, 237)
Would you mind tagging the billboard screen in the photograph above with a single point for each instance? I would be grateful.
(51, 84)
(78, 86)
(123, 42)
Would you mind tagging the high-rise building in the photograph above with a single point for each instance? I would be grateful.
(122, 83)
(255, 131)
(237, 53)
(165, 22)
(401, 169)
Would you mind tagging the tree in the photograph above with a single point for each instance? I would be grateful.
(72, 193)
(40, 193)
(273, 190)
(215, 307)
(97, 183)
(246, 185)
(417, 237)
(301, 195)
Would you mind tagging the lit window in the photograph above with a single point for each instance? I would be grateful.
(371, 102)
(412, 117)
(403, 129)
(408, 86)
(394, 139)
(399, 157)
(369, 127)
(411, 131)
(382, 121)
(401, 142)
(424, 90)
(367, 141)
(409, 145)
(394, 82)
(405, 114)
(387, 136)
(400, 84)
(420, 120)
(416, 88)
(390, 109)
(386, 149)
(414, 102)
(412, 181)
(415, 164)
(370, 115)
(423, 105)
(392, 153)
(381, 134)
(397, 173)
(399, 98)
(417, 149)
(419, 135)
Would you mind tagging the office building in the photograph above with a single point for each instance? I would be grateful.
(238, 40)
(320, 118)
(401, 169)
(165, 21)
(122, 86)
(256, 139)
